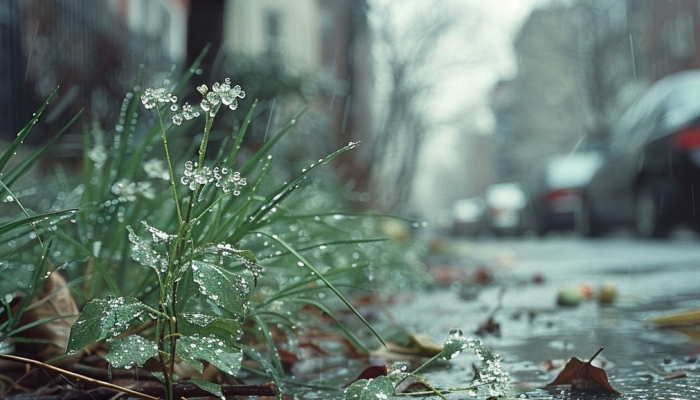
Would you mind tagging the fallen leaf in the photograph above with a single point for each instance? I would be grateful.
(371, 373)
(490, 327)
(675, 375)
(689, 317)
(416, 344)
(584, 376)
(58, 309)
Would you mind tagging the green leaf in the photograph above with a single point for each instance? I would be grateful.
(457, 343)
(198, 323)
(33, 219)
(224, 289)
(212, 349)
(144, 254)
(370, 389)
(210, 387)
(130, 350)
(101, 319)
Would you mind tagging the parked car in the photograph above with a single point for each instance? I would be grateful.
(506, 203)
(650, 180)
(556, 193)
(468, 217)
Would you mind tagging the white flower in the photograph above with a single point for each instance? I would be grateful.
(155, 168)
(151, 97)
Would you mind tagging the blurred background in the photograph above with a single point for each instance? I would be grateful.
(448, 97)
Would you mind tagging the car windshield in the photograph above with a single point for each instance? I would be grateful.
(572, 171)
(683, 105)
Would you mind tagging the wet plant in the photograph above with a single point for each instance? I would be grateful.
(203, 277)
(489, 377)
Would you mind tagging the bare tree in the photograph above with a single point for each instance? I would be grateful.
(419, 45)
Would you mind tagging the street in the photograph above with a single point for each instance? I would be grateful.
(650, 278)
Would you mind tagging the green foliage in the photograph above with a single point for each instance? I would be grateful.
(23, 254)
(200, 252)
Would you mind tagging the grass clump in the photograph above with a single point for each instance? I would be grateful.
(221, 251)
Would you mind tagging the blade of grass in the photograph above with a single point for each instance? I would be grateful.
(268, 145)
(274, 199)
(231, 158)
(97, 264)
(10, 151)
(342, 327)
(326, 282)
(274, 354)
(32, 219)
(24, 166)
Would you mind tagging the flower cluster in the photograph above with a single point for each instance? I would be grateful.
(228, 181)
(155, 168)
(127, 190)
(151, 97)
(220, 93)
(187, 113)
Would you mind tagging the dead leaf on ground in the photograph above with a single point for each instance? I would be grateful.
(415, 344)
(370, 372)
(57, 306)
(679, 318)
(584, 376)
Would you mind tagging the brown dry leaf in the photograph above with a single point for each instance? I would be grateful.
(689, 317)
(418, 344)
(57, 305)
(584, 376)
(370, 372)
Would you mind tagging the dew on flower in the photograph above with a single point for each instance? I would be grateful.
(155, 168)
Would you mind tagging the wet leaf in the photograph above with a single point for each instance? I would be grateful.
(370, 389)
(212, 349)
(210, 387)
(130, 350)
(584, 376)
(196, 323)
(101, 319)
(144, 254)
(226, 290)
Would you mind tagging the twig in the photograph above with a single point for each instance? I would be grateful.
(74, 375)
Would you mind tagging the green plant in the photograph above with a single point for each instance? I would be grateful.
(489, 377)
(203, 275)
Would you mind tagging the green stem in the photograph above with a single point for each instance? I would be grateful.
(170, 167)
(205, 141)
(415, 371)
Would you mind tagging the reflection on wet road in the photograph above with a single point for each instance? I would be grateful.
(651, 278)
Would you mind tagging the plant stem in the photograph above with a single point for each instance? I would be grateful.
(205, 141)
(170, 166)
(415, 371)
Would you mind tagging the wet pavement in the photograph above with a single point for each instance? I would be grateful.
(650, 278)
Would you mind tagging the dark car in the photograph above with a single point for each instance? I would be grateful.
(650, 180)
(556, 193)
(468, 217)
(506, 204)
